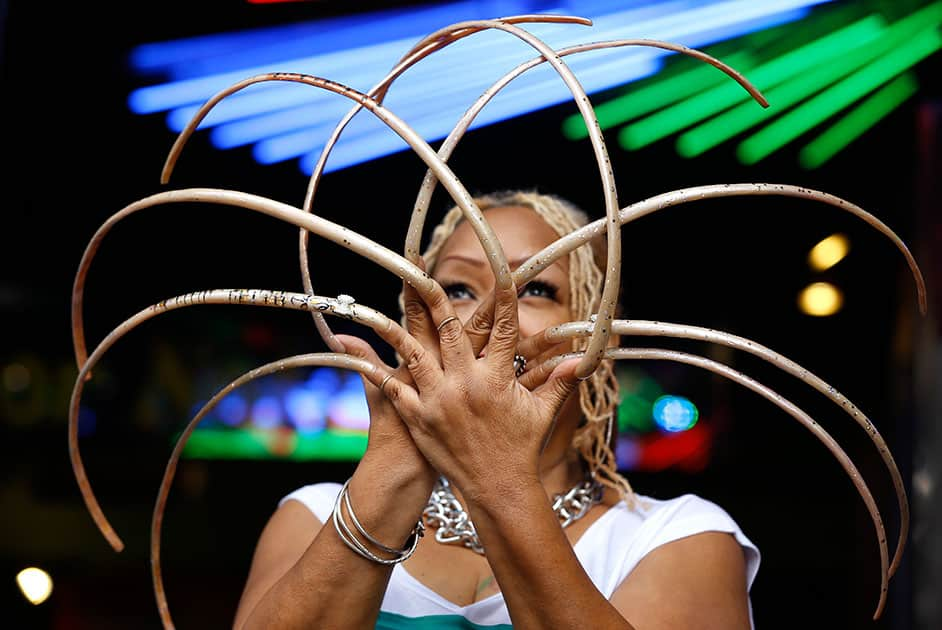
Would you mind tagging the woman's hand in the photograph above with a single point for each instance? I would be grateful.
(469, 415)
(389, 441)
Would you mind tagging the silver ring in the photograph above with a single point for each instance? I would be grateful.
(520, 364)
(382, 386)
(445, 321)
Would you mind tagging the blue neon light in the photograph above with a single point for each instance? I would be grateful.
(222, 52)
(286, 121)
(362, 145)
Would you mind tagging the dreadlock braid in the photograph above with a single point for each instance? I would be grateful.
(598, 394)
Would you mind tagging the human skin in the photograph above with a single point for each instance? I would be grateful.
(507, 449)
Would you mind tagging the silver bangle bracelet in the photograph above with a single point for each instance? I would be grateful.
(351, 541)
(363, 532)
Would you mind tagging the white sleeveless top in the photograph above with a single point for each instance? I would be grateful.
(609, 549)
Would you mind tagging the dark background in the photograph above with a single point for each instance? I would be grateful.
(74, 155)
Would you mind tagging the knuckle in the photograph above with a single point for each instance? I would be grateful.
(414, 310)
(414, 359)
(480, 322)
(437, 298)
(505, 329)
(392, 392)
(451, 331)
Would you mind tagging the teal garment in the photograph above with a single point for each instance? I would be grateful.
(392, 621)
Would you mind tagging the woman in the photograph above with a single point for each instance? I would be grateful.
(505, 447)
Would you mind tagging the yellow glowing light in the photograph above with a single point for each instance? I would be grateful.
(820, 299)
(828, 252)
(16, 377)
(35, 584)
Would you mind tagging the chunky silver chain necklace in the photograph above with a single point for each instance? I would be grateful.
(445, 514)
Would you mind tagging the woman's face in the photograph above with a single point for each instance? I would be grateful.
(463, 270)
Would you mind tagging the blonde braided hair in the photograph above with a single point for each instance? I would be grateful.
(598, 394)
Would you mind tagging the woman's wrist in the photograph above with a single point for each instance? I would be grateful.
(397, 473)
(388, 499)
(503, 496)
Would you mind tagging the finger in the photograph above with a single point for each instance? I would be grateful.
(403, 397)
(478, 326)
(456, 353)
(536, 375)
(421, 364)
(540, 367)
(558, 387)
(418, 319)
(505, 333)
(537, 344)
(360, 348)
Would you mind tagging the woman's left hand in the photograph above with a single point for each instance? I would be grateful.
(468, 414)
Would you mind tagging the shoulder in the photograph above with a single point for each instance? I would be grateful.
(665, 521)
(687, 556)
(318, 498)
(687, 510)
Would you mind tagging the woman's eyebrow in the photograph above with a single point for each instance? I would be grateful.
(481, 262)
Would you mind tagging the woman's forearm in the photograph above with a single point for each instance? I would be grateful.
(541, 579)
(331, 586)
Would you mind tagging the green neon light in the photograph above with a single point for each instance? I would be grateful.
(854, 56)
(826, 104)
(769, 74)
(656, 95)
(854, 124)
(330, 444)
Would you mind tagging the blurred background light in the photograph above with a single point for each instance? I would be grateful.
(266, 412)
(820, 299)
(675, 413)
(232, 409)
(348, 409)
(306, 409)
(828, 252)
(16, 377)
(35, 584)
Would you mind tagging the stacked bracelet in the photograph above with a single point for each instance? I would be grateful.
(354, 543)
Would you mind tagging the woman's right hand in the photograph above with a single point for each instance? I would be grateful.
(389, 441)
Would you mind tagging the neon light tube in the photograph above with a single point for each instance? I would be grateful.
(358, 68)
(854, 124)
(507, 104)
(160, 97)
(338, 64)
(743, 117)
(603, 75)
(686, 113)
(826, 104)
(312, 107)
(659, 94)
(449, 103)
(156, 98)
(308, 38)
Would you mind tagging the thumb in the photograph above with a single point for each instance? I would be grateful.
(560, 384)
(361, 349)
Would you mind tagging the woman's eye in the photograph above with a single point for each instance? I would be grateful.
(458, 291)
(536, 288)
